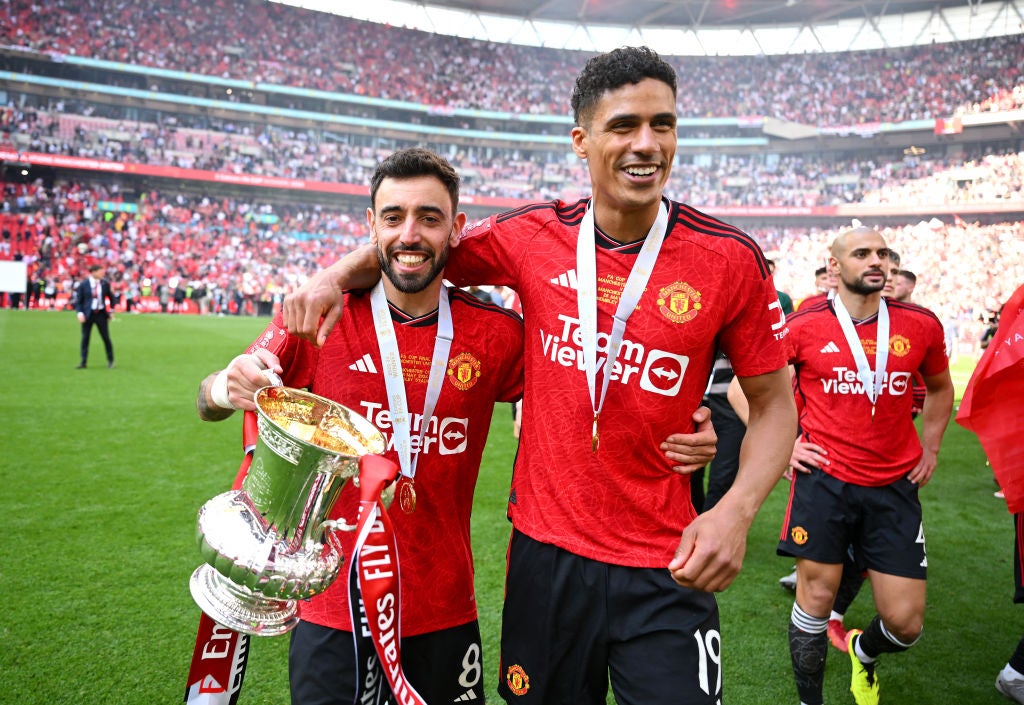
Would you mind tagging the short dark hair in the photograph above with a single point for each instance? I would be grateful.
(411, 163)
(894, 257)
(819, 271)
(606, 72)
(908, 275)
(96, 267)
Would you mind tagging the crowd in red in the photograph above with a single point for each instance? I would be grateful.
(229, 256)
(274, 43)
(745, 180)
(223, 255)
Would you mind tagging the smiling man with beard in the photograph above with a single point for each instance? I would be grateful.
(426, 364)
(859, 461)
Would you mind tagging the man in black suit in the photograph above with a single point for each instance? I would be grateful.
(94, 305)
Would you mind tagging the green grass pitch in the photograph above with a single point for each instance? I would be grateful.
(103, 471)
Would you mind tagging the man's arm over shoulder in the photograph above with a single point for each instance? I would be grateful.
(502, 249)
(313, 309)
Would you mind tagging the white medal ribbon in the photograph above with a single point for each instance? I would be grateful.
(394, 381)
(873, 388)
(586, 299)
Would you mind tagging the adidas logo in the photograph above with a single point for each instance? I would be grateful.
(566, 279)
(364, 364)
(830, 348)
(465, 697)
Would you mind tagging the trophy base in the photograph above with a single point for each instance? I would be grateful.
(240, 609)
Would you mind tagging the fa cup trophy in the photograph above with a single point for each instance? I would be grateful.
(271, 543)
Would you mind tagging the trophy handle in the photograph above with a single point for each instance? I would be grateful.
(330, 530)
(337, 525)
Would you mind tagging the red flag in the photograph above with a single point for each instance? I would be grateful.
(993, 405)
(949, 126)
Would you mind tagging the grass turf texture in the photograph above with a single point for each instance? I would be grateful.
(103, 471)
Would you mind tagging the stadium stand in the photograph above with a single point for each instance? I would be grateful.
(266, 42)
(177, 222)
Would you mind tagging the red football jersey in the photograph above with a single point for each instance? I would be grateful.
(710, 287)
(836, 413)
(484, 367)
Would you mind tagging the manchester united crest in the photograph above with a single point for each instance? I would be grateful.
(899, 345)
(517, 680)
(679, 302)
(463, 371)
(799, 535)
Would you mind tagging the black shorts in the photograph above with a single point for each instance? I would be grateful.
(570, 622)
(883, 524)
(442, 666)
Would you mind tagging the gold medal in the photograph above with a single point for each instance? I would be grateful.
(595, 440)
(407, 496)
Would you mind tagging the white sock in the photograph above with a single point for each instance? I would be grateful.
(864, 658)
(835, 615)
(1009, 673)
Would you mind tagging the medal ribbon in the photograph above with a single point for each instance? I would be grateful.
(376, 611)
(586, 299)
(394, 382)
(873, 390)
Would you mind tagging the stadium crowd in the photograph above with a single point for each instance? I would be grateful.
(787, 180)
(232, 256)
(223, 255)
(277, 44)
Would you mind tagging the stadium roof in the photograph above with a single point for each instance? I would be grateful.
(695, 14)
(710, 27)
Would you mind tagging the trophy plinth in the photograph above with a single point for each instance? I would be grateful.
(269, 544)
(239, 608)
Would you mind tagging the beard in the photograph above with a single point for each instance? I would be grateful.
(412, 283)
(860, 286)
